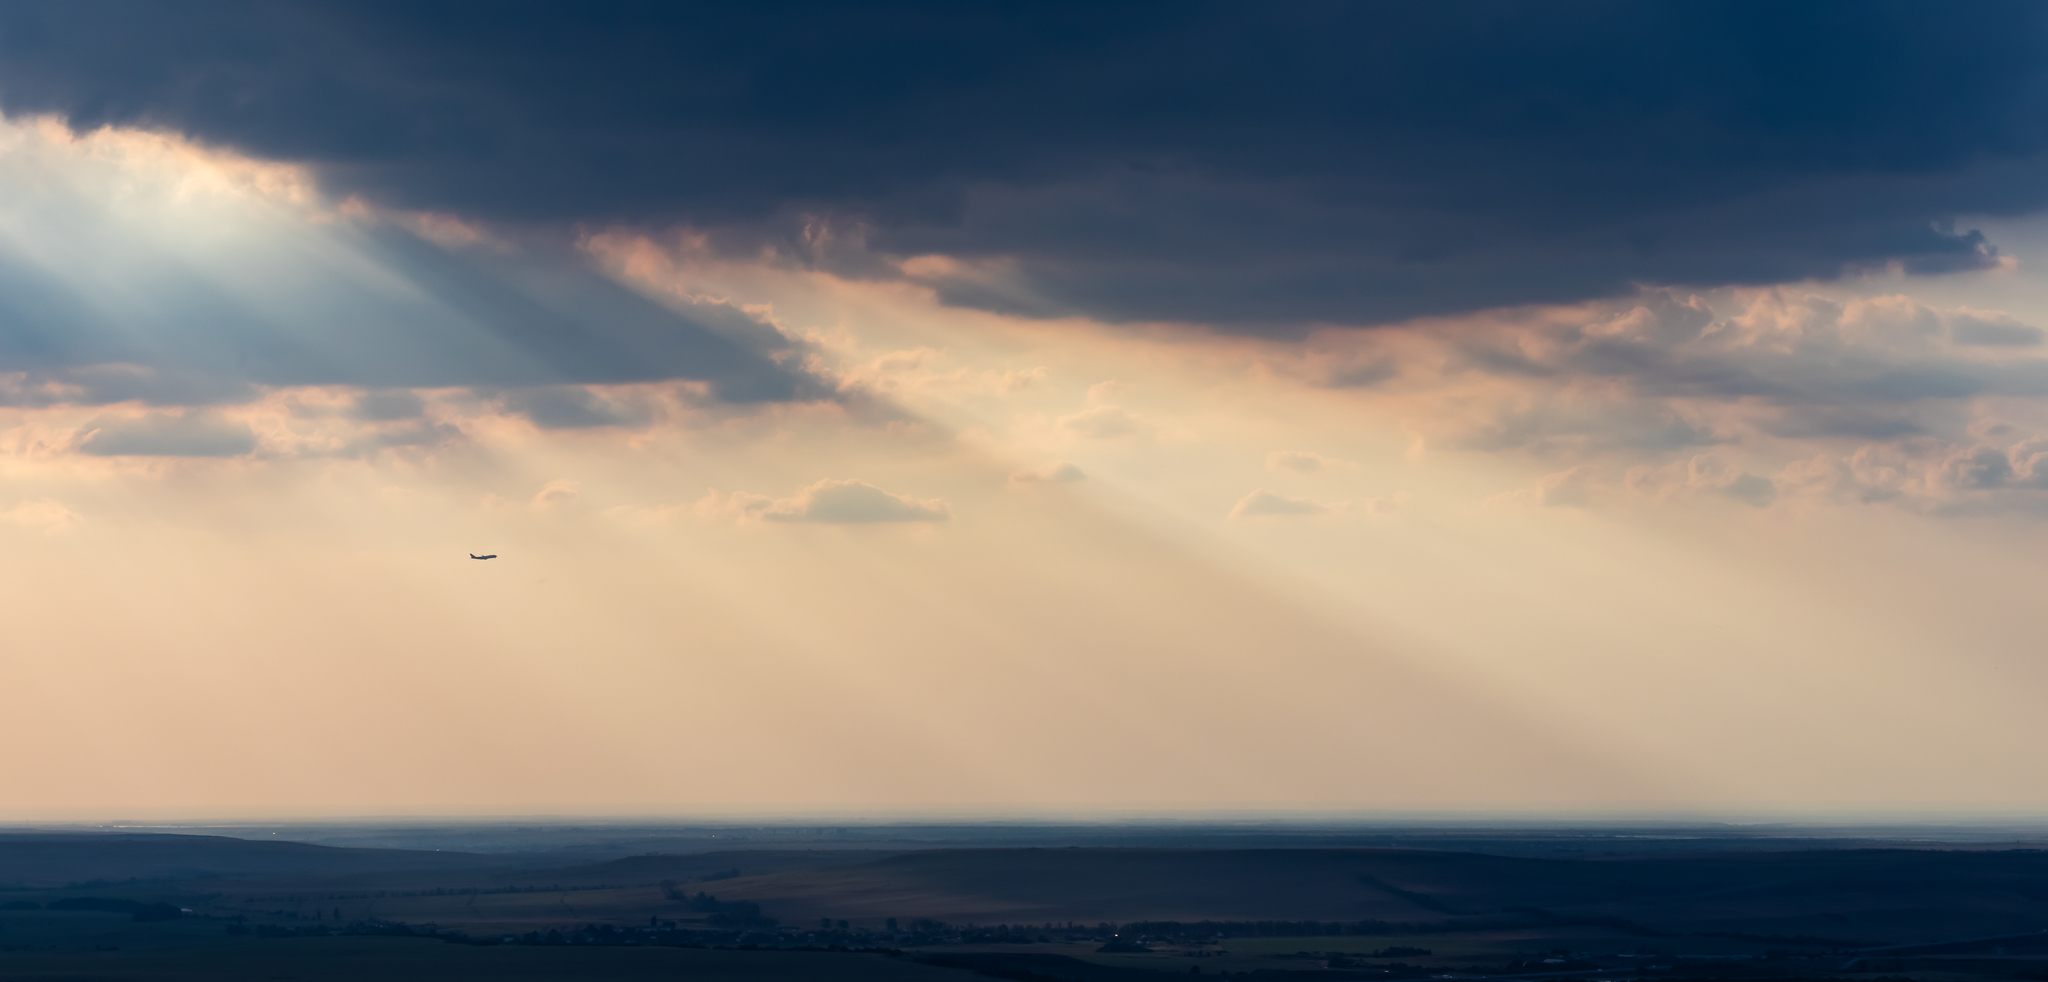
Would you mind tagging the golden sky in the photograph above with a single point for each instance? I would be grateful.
(1727, 552)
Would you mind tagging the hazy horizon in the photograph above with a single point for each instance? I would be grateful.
(1269, 818)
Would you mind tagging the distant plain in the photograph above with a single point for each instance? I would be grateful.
(1041, 901)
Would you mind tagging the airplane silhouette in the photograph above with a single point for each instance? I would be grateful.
(475, 556)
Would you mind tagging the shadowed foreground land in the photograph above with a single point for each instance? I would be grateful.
(221, 907)
(398, 959)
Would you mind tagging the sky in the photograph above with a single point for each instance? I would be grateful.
(1039, 411)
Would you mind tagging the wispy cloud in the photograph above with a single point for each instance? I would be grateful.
(1054, 473)
(829, 502)
(1303, 462)
(1272, 504)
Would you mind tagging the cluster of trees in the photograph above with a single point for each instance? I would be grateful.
(724, 913)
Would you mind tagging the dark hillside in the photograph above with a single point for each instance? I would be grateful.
(57, 859)
(706, 865)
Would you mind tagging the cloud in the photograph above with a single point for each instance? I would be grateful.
(409, 433)
(1564, 425)
(558, 492)
(1856, 422)
(1994, 331)
(1670, 371)
(43, 514)
(1928, 477)
(1793, 349)
(387, 404)
(111, 382)
(572, 407)
(1303, 462)
(1570, 488)
(1105, 423)
(1385, 505)
(1976, 469)
(1271, 503)
(831, 502)
(164, 435)
(1055, 473)
(1702, 474)
(1262, 167)
(1361, 374)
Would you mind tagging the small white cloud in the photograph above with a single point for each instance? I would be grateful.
(1567, 489)
(1102, 392)
(1056, 473)
(828, 502)
(1303, 462)
(1263, 502)
(556, 492)
(43, 514)
(1105, 423)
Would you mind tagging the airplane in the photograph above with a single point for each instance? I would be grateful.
(475, 556)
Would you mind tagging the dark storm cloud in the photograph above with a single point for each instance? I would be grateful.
(1258, 166)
